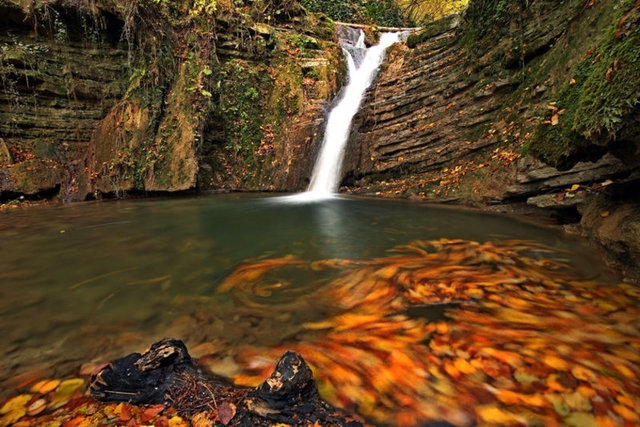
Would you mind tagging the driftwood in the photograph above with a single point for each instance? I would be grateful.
(166, 374)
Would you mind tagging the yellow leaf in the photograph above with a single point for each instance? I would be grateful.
(575, 187)
(555, 362)
(16, 402)
(581, 419)
(201, 420)
(176, 421)
(12, 416)
(494, 415)
(577, 402)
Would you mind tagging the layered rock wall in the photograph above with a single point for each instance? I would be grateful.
(55, 89)
(489, 115)
(121, 98)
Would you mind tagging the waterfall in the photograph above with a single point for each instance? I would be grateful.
(361, 72)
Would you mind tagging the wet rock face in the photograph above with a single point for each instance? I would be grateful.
(56, 86)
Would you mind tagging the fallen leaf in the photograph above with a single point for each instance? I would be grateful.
(36, 407)
(581, 419)
(16, 402)
(555, 362)
(176, 421)
(76, 421)
(201, 420)
(494, 415)
(152, 412)
(626, 413)
(226, 411)
(45, 386)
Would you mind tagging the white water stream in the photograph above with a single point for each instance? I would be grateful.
(326, 172)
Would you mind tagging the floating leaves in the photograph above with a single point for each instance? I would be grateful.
(44, 396)
(524, 341)
(493, 333)
(55, 403)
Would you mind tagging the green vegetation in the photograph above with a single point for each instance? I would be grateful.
(488, 21)
(431, 30)
(392, 13)
(595, 103)
(240, 86)
(383, 12)
(424, 11)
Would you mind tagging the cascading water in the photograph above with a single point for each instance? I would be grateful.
(326, 172)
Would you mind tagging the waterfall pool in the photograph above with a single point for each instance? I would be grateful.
(240, 277)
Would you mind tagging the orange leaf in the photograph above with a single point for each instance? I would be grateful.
(45, 386)
(585, 391)
(464, 367)
(583, 374)
(152, 412)
(626, 413)
(555, 362)
(451, 370)
(124, 412)
(507, 396)
(74, 422)
(512, 359)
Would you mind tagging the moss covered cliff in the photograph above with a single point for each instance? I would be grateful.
(110, 97)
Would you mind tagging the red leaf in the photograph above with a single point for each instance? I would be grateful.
(226, 411)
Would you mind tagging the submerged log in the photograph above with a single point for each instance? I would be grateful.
(166, 374)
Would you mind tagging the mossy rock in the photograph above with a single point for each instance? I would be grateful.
(599, 103)
(33, 176)
(434, 29)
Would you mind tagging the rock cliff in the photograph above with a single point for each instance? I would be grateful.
(504, 105)
(111, 97)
